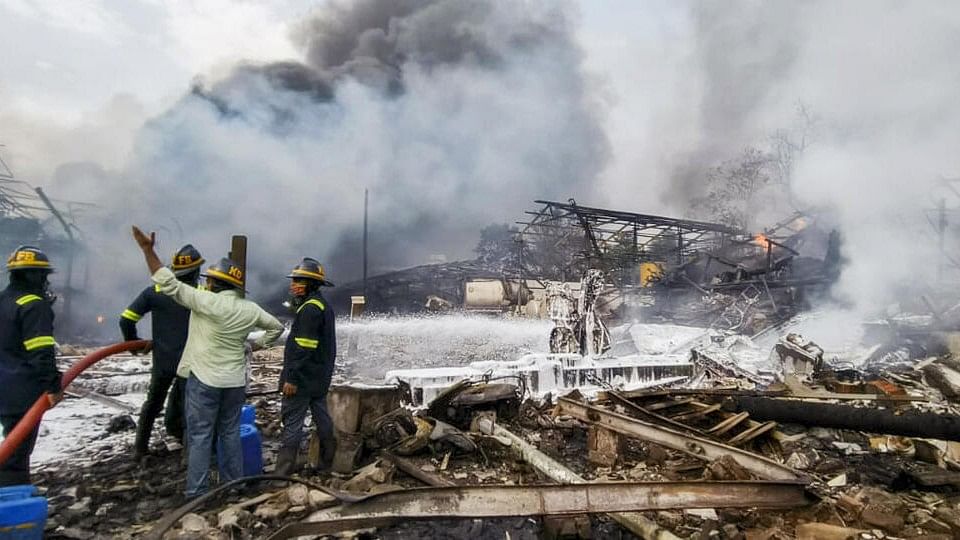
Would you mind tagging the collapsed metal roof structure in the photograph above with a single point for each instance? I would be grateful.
(616, 241)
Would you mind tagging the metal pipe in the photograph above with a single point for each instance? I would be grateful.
(517, 501)
(73, 243)
(366, 195)
(928, 425)
(634, 522)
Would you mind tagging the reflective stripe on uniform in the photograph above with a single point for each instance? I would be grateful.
(307, 343)
(313, 301)
(27, 298)
(37, 342)
(156, 288)
(131, 315)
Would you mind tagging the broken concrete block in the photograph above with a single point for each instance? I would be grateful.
(347, 452)
(825, 531)
(838, 481)
(74, 533)
(603, 446)
(944, 379)
(725, 468)
(557, 527)
(384, 488)
(850, 504)
(298, 495)
(194, 523)
(319, 498)
(706, 514)
(377, 472)
(882, 516)
(669, 520)
(275, 508)
(935, 526)
(760, 534)
(800, 460)
(229, 519)
(950, 516)
(731, 531)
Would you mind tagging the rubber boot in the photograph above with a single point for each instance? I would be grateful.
(141, 444)
(286, 462)
(327, 454)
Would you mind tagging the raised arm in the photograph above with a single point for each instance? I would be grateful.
(146, 244)
(183, 294)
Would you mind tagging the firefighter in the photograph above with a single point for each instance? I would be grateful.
(213, 361)
(308, 360)
(28, 367)
(169, 328)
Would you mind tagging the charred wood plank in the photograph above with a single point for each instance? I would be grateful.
(697, 447)
(752, 433)
(697, 414)
(411, 469)
(728, 424)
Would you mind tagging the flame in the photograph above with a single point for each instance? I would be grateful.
(761, 240)
(100, 319)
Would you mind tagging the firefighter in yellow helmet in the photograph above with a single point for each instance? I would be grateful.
(28, 367)
(169, 326)
(308, 361)
(213, 360)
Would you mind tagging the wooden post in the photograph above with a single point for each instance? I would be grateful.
(238, 254)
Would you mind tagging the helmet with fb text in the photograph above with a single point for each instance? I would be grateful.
(187, 259)
(28, 258)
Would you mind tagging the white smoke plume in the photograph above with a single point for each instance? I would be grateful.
(879, 78)
(453, 114)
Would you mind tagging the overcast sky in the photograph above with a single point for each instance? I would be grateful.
(70, 67)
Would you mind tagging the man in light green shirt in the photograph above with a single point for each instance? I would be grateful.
(213, 360)
(219, 325)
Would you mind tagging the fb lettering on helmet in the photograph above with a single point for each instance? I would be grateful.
(236, 272)
(26, 256)
(184, 260)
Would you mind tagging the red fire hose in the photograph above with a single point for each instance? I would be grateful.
(30, 420)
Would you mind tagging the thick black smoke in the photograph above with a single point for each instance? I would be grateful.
(453, 114)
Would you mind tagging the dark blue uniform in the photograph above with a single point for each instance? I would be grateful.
(169, 327)
(28, 369)
(308, 361)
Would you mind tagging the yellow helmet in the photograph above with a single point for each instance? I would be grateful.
(186, 260)
(226, 271)
(310, 269)
(28, 258)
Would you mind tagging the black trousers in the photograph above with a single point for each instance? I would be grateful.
(173, 419)
(17, 469)
(293, 411)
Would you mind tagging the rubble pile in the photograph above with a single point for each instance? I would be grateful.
(771, 437)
